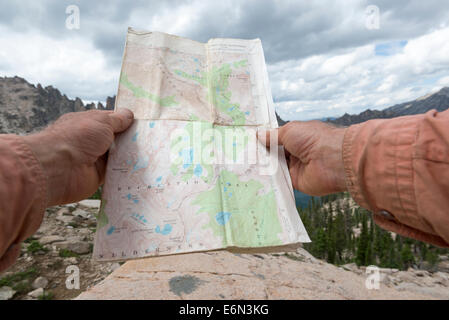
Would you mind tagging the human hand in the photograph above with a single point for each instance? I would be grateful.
(73, 152)
(314, 156)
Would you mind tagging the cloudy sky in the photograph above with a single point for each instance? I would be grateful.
(324, 58)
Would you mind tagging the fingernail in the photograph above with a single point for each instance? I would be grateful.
(128, 113)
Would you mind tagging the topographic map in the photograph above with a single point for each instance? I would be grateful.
(190, 175)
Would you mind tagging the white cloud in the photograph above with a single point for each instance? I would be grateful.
(352, 81)
(71, 65)
(443, 81)
(388, 83)
(322, 59)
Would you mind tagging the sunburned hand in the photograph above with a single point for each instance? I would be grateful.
(314, 156)
(72, 152)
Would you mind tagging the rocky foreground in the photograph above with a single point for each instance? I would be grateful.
(66, 239)
(292, 275)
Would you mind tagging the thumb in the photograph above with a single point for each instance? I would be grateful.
(121, 119)
(268, 137)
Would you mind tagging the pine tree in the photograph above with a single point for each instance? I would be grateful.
(362, 246)
(320, 247)
(333, 238)
(340, 236)
(431, 257)
(407, 258)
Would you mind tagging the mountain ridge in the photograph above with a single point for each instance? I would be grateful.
(27, 108)
(438, 101)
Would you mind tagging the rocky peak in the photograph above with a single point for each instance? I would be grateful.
(444, 92)
(25, 108)
(110, 103)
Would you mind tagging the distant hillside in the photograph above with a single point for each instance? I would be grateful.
(342, 232)
(438, 101)
(26, 108)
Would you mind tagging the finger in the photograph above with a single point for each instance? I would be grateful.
(294, 176)
(121, 119)
(100, 165)
(288, 161)
(266, 136)
(287, 157)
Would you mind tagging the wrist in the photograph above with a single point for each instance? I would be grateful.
(339, 177)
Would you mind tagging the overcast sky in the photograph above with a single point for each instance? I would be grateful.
(324, 58)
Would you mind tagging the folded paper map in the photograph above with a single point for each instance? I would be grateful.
(190, 174)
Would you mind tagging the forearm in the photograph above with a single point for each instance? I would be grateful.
(399, 169)
(23, 196)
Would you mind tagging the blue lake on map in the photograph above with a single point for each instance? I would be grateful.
(110, 230)
(198, 170)
(167, 229)
(222, 217)
(187, 157)
(141, 163)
